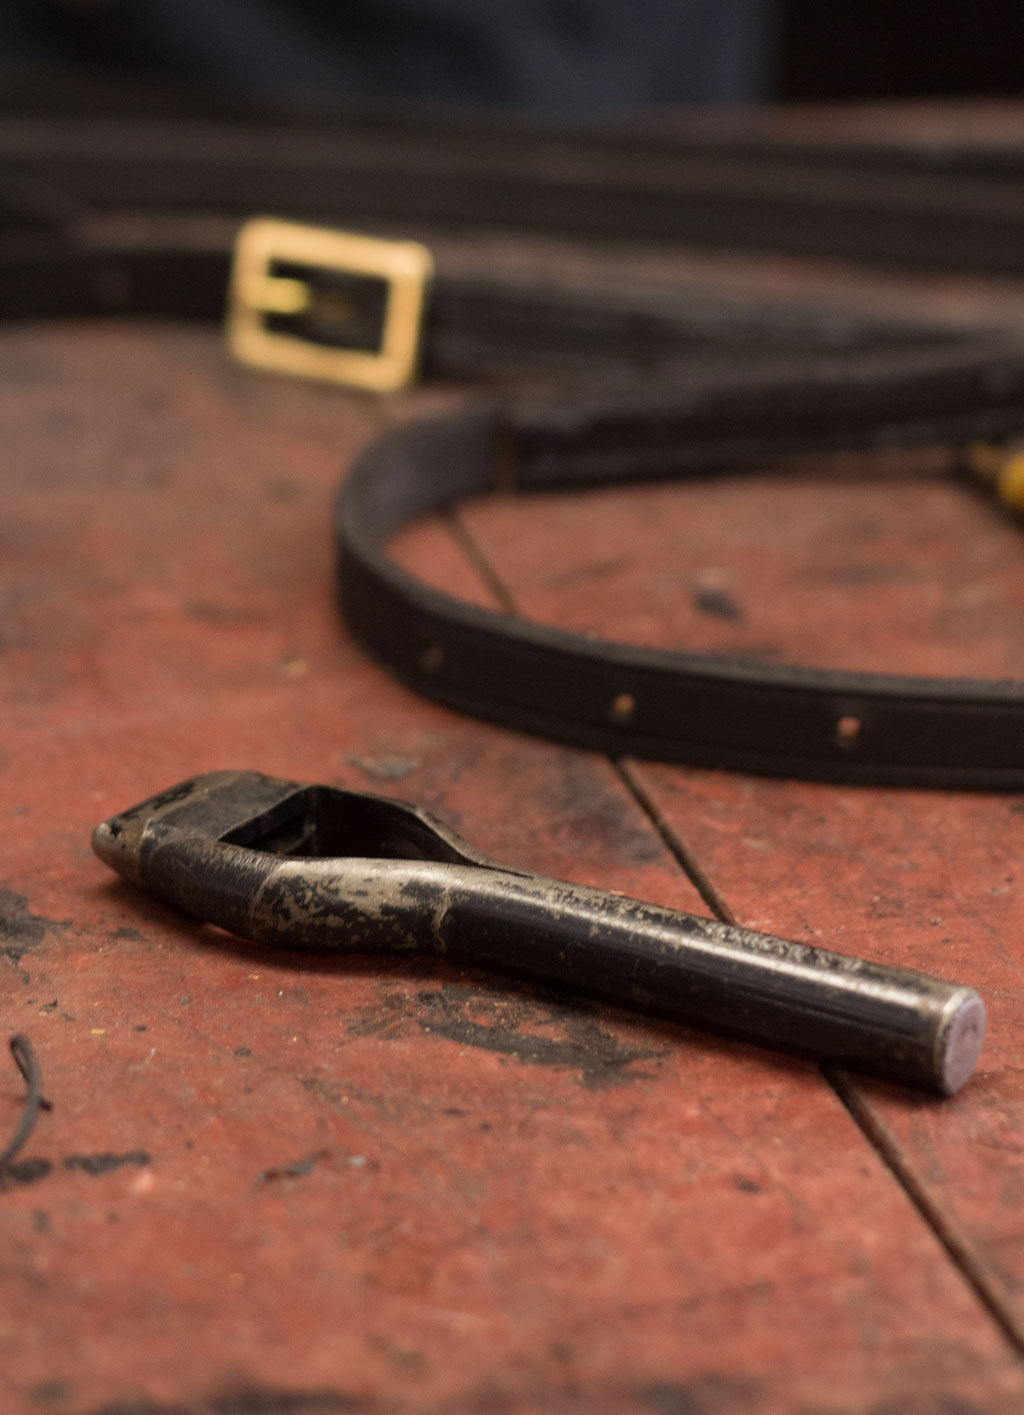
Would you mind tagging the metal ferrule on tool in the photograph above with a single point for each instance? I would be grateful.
(312, 867)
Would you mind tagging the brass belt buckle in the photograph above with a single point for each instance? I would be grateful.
(282, 317)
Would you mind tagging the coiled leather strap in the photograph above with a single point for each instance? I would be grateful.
(767, 391)
(622, 699)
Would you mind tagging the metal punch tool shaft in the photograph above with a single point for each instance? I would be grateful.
(312, 867)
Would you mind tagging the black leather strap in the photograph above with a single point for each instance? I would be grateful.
(752, 184)
(767, 386)
(626, 700)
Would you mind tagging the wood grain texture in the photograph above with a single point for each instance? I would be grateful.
(285, 1185)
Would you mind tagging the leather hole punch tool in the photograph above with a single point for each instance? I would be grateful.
(312, 867)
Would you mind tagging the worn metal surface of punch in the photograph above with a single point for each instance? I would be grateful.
(313, 867)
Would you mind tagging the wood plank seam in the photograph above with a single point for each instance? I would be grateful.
(676, 847)
(959, 1248)
(475, 555)
(953, 1243)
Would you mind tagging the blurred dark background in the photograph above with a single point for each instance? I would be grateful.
(560, 58)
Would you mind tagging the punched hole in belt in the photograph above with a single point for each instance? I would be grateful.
(847, 731)
(431, 658)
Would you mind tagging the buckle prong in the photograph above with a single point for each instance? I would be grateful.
(405, 267)
(273, 294)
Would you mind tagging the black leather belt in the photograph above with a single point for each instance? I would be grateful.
(694, 708)
(767, 391)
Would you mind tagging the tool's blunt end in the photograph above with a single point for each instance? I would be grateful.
(117, 842)
(963, 1035)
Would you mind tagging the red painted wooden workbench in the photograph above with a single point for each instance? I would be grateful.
(279, 1186)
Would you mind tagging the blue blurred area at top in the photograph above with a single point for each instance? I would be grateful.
(571, 59)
